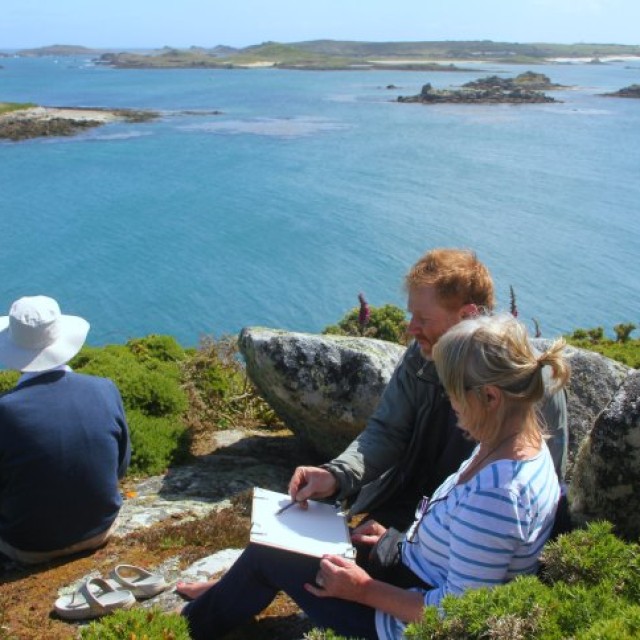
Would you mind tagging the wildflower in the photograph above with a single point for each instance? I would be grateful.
(365, 313)
(512, 298)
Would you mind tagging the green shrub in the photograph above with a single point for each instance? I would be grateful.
(625, 626)
(623, 331)
(137, 624)
(323, 634)
(156, 443)
(150, 385)
(593, 556)
(522, 609)
(8, 380)
(147, 371)
(157, 347)
(388, 322)
(591, 586)
(623, 348)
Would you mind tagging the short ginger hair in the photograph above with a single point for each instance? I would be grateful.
(458, 277)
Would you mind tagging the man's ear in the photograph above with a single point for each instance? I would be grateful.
(468, 310)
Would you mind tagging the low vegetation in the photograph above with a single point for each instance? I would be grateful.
(138, 623)
(8, 107)
(172, 395)
(622, 348)
(387, 322)
(335, 54)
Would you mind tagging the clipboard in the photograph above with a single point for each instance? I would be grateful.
(320, 529)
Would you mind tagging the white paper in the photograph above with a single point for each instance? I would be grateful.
(315, 531)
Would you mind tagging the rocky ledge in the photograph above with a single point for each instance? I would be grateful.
(526, 88)
(632, 91)
(36, 122)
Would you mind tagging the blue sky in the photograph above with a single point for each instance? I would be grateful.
(156, 23)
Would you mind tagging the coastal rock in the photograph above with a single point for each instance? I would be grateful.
(632, 91)
(323, 387)
(606, 482)
(527, 80)
(37, 122)
(594, 381)
(525, 88)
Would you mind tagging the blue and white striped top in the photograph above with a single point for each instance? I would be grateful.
(481, 533)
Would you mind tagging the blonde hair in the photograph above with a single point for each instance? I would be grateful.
(457, 276)
(495, 350)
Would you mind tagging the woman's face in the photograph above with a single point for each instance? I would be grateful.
(471, 413)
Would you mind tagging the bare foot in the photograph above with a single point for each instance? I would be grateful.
(191, 590)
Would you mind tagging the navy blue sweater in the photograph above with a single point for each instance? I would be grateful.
(64, 442)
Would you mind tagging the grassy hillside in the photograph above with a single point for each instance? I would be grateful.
(345, 54)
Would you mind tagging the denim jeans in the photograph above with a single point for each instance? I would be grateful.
(253, 582)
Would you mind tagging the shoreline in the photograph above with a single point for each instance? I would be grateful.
(38, 121)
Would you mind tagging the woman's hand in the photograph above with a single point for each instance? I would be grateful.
(369, 532)
(339, 578)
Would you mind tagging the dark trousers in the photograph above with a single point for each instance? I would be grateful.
(253, 582)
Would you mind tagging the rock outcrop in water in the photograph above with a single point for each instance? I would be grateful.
(632, 91)
(525, 88)
(38, 122)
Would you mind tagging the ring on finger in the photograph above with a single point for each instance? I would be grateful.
(320, 580)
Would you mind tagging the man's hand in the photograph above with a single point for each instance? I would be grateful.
(339, 578)
(311, 482)
(369, 532)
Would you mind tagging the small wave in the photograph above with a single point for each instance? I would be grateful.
(118, 136)
(296, 127)
(572, 111)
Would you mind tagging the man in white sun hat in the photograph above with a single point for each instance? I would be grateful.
(64, 439)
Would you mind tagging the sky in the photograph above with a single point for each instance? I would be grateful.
(239, 23)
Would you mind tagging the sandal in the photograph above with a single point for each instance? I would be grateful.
(88, 602)
(142, 583)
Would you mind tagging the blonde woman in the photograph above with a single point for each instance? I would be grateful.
(486, 524)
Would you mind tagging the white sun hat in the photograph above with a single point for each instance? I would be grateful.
(35, 336)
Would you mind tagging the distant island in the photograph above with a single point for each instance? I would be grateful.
(526, 88)
(349, 55)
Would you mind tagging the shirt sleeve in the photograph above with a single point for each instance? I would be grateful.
(124, 441)
(386, 434)
(486, 530)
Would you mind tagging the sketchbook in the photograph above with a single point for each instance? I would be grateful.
(320, 529)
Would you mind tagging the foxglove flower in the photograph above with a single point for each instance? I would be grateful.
(365, 313)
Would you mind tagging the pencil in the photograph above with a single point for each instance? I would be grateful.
(286, 506)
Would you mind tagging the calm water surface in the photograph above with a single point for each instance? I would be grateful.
(310, 187)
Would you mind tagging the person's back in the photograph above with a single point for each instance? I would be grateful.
(64, 439)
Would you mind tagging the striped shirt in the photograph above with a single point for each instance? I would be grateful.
(481, 533)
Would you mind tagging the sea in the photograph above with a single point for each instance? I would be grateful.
(274, 197)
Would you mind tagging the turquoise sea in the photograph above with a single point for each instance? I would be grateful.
(310, 187)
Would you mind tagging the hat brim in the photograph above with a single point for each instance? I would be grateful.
(73, 333)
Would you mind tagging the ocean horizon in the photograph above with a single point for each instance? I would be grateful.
(308, 187)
